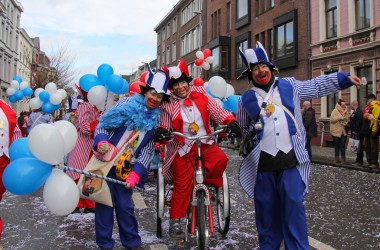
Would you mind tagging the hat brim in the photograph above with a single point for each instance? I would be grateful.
(145, 89)
(182, 78)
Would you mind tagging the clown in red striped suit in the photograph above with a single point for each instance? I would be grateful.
(9, 132)
(189, 112)
(86, 117)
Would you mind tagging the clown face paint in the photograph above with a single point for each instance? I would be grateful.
(261, 74)
(153, 99)
(181, 89)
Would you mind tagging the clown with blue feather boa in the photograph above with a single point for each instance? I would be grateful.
(139, 113)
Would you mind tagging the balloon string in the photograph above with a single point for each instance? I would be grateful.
(65, 168)
(105, 103)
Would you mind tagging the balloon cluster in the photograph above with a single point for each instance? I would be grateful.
(48, 99)
(100, 86)
(223, 93)
(18, 89)
(204, 59)
(31, 166)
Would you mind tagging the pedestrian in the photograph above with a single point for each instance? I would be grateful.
(370, 131)
(85, 121)
(310, 124)
(275, 172)
(189, 111)
(37, 116)
(356, 121)
(339, 119)
(10, 132)
(131, 114)
(23, 122)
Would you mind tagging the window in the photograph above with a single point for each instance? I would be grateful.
(243, 45)
(331, 18)
(271, 44)
(158, 38)
(363, 14)
(228, 16)
(285, 40)
(242, 8)
(168, 30)
(364, 73)
(163, 36)
(188, 12)
(168, 55)
(221, 59)
(332, 99)
(190, 41)
(174, 51)
(174, 25)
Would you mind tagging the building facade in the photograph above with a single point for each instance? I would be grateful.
(345, 37)
(25, 54)
(10, 15)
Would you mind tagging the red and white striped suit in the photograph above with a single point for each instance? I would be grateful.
(171, 118)
(80, 155)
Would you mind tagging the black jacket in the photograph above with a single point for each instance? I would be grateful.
(309, 123)
(356, 121)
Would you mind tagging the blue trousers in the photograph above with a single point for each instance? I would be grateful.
(126, 220)
(280, 214)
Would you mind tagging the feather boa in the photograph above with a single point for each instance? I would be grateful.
(133, 114)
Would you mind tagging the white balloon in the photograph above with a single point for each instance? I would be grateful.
(206, 84)
(69, 134)
(55, 98)
(110, 101)
(15, 84)
(51, 87)
(210, 59)
(46, 143)
(199, 54)
(97, 95)
(11, 91)
(230, 91)
(219, 102)
(61, 194)
(206, 65)
(35, 103)
(38, 91)
(62, 93)
(24, 85)
(217, 86)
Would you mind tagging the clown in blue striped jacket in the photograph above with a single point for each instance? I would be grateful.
(276, 171)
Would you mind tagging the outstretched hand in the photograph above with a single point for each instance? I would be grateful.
(355, 81)
(132, 180)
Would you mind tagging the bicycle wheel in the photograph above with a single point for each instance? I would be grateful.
(202, 230)
(223, 206)
(160, 202)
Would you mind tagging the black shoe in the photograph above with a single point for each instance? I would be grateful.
(89, 210)
(136, 248)
(175, 229)
(76, 211)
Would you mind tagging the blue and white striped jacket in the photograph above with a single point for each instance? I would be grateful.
(144, 151)
(292, 92)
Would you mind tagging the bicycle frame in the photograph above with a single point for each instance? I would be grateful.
(199, 186)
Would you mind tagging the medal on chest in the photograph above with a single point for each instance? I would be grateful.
(193, 126)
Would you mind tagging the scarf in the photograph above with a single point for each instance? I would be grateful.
(134, 115)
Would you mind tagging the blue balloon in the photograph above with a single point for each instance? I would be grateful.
(114, 83)
(19, 94)
(27, 91)
(44, 96)
(20, 149)
(225, 105)
(47, 107)
(13, 98)
(233, 102)
(124, 88)
(104, 71)
(25, 175)
(56, 107)
(86, 82)
(17, 78)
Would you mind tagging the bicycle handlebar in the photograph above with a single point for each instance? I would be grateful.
(198, 137)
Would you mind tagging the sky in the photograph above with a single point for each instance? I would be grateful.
(117, 32)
